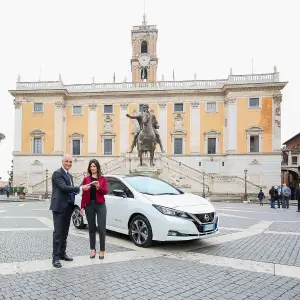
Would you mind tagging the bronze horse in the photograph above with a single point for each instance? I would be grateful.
(146, 141)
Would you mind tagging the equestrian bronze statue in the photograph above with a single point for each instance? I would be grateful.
(147, 137)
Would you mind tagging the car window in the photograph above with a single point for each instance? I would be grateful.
(152, 186)
(115, 184)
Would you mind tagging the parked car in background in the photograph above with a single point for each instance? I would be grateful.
(149, 209)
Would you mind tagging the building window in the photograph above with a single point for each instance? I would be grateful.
(178, 146)
(211, 107)
(76, 147)
(37, 145)
(178, 107)
(144, 47)
(108, 109)
(76, 143)
(254, 143)
(254, 136)
(253, 103)
(211, 146)
(38, 107)
(141, 107)
(37, 141)
(294, 160)
(77, 110)
(108, 147)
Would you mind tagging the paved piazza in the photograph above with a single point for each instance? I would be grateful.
(255, 256)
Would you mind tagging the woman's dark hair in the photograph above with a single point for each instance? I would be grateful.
(97, 164)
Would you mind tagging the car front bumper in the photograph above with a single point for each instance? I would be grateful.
(179, 229)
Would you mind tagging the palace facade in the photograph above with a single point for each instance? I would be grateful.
(213, 131)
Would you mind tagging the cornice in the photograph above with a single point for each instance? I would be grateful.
(33, 93)
(277, 86)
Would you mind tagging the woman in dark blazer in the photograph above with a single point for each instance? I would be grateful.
(93, 203)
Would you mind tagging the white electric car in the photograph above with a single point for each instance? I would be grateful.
(149, 209)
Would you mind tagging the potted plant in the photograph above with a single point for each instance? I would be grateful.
(21, 193)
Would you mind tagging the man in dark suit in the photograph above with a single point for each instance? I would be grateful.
(62, 203)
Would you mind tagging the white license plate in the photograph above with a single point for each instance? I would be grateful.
(209, 227)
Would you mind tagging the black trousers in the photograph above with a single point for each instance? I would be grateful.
(61, 223)
(92, 210)
(298, 204)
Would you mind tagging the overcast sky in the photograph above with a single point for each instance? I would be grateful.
(82, 39)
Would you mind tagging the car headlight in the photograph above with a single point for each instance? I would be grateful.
(171, 212)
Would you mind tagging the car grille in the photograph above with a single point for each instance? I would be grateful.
(206, 218)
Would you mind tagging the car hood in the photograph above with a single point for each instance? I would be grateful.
(186, 202)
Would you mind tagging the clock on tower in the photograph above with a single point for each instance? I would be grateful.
(144, 59)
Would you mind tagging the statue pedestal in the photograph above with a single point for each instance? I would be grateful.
(145, 170)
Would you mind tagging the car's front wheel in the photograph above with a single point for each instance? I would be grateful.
(140, 231)
(78, 219)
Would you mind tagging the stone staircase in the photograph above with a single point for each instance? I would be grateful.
(173, 171)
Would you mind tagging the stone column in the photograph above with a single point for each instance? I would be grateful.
(276, 124)
(124, 129)
(18, 127)
(195, 128)
(59, 129)
(163, 123)
(231, 124)
(92, 129)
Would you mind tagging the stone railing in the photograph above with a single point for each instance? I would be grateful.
(40, 187)
(163, 85)
(112, 165)
(251, 187)
(187, 171)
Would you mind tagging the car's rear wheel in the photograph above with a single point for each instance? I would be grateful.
(140, 231)
(78, 219)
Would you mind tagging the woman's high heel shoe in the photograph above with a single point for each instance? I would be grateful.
(93, 256)
(101, 256)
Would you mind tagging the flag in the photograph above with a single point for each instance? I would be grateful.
(114, 78)
(173, 75)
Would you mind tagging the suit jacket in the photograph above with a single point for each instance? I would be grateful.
(61, 189)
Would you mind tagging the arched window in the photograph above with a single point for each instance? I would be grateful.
(144, 74)
(144, 47)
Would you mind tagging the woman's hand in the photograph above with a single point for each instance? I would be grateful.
(96, 184)
(82, 212)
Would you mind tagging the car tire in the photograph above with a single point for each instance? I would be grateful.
(77, 219)
(140, 231)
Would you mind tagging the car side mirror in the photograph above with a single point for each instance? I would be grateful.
(119, 193)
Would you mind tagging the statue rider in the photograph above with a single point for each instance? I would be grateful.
(155, 126)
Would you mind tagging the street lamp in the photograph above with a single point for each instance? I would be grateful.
(246, 195)
(46, 194)
(203, 191)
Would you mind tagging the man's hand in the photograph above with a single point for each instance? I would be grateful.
(82, 212)
(127, 115)
(86, 187)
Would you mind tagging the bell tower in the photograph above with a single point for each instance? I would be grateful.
(144, 59)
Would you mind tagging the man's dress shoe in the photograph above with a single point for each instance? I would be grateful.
(66, 257)
(56, 264)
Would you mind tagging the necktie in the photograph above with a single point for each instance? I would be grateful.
(72, 195)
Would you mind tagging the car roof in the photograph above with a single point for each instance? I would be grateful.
(127, 175)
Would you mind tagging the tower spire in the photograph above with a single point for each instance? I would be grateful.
(144, 16)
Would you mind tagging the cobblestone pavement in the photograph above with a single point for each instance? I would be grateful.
(255, 256)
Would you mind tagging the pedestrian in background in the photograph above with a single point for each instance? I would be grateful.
(261, 197)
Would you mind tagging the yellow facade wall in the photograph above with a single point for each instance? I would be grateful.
(254, 117)
(115, 116)
(77, 124)
(43, 121)
(211, 121)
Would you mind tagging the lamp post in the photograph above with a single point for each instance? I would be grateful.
(203, 183)
(245, 195)
(46, 194)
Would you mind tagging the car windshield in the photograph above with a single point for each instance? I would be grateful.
(151, 186)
